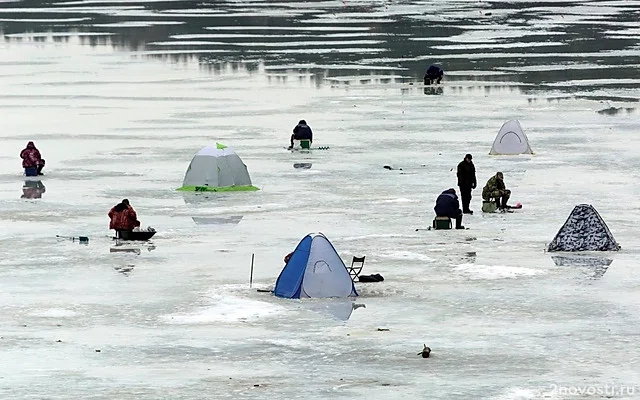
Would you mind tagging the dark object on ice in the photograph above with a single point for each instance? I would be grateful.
(132, 235)
(610, 111)
(425, 352)
(370, 278)
(80, 239)
(264, 291)
(389, 167)
(434, 74)
(302, 165)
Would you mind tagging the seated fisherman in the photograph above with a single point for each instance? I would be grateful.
(32, 161)
(123, 217)
(495, 189)
(302, 131)
(447, 205)
(434, 74)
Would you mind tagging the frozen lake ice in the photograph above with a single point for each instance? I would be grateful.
(119, 97)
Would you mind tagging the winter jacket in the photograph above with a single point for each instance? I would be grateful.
(493, 184)
(447, 204)
(30, 156)
(467, 174)
(433, 72)
(123, 218)
(303, 132)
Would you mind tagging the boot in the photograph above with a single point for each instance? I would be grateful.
(459, 223)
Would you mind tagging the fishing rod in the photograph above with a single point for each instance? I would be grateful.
(80, 239)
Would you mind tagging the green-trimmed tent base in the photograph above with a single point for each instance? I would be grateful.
(245, 188)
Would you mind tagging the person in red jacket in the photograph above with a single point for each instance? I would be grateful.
(123, 217)
(31, 159)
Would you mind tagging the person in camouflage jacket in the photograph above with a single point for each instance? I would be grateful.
(495, 189)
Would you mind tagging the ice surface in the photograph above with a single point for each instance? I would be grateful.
(175, 318)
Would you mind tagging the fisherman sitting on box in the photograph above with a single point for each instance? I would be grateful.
(496, 190)
(434, 74)
(302, 132)
(447, 205)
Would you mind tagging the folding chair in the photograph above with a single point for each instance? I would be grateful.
(356, 267)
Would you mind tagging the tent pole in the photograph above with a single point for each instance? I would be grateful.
(251, 277)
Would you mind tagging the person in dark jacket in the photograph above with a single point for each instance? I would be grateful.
(434, 74)
(447, 205)
(466, 182)
(302, 131)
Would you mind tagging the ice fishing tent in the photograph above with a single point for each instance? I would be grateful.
(217, 169)
(584, 230)
(314, 270)
(511, 140)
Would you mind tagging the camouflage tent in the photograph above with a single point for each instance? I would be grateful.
(584, 230)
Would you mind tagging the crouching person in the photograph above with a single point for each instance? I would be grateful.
(434, 74)
(123, 218)
(496, 190)
(447, 205)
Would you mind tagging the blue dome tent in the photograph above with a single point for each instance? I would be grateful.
(314, 270)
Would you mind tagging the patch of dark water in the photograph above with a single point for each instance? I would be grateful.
(308, 36)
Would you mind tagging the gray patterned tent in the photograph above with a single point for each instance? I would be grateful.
(584, 230)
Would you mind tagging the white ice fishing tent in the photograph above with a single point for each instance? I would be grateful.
(314, 270)
(511, 140)
(217, 168)
(584, 230)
